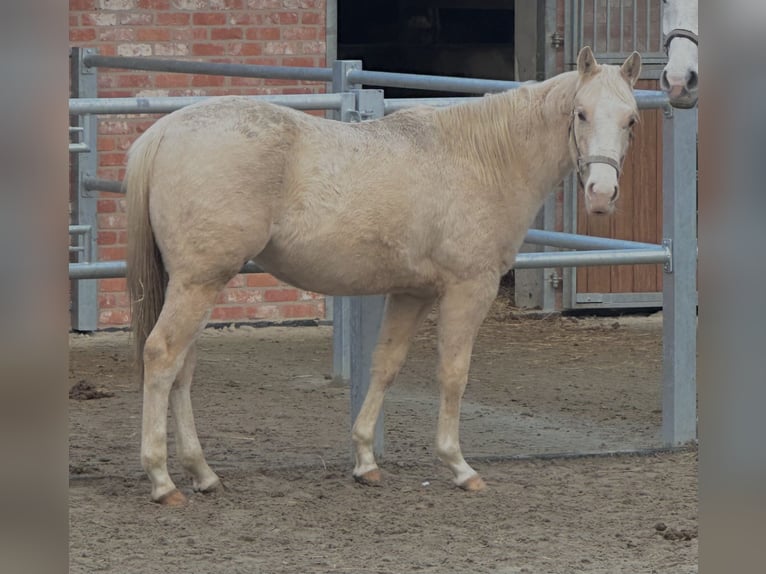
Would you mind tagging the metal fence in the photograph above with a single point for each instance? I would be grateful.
(356, 320)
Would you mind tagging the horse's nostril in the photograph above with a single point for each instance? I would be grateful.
(691, 82)
(664, 84)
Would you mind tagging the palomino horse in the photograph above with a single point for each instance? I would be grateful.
(680, 77)
(426, 204)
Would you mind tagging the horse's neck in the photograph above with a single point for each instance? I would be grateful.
(520, 137)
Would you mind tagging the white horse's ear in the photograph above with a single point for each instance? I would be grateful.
(631, 69)
(586, 62)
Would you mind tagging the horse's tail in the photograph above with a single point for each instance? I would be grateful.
(146, 274)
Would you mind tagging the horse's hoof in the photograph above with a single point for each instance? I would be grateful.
(369, 478)
(473, 484)
(211, 488)
(172, 498)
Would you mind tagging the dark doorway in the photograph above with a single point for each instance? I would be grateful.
(468, 38)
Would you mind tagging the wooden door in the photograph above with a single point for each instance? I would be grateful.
(638, 217)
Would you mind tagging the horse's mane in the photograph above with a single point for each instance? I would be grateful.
(497, 128)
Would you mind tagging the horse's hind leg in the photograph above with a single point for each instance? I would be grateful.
(187, 444)
(403, 315)
(461, 313)
(183, 316)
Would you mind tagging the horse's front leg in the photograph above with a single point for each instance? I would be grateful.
(401, 318)
(461, 313)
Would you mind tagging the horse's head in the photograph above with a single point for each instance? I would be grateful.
(680, 77)
(602, 121)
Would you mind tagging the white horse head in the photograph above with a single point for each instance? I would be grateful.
(680, 77)
(602, 125)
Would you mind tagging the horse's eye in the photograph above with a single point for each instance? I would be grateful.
(581, 116)
(632, 122)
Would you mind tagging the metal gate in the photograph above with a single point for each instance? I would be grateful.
(614, 29)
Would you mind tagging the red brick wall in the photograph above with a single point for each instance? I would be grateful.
(267, 32)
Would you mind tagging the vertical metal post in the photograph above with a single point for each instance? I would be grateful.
(679, 172)
(340, 307)
(550, 208)
(84, 293)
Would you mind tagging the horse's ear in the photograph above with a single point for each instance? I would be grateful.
(586, 62)
(631, 69)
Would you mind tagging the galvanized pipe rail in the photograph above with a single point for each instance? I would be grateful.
(640, 255)
(164, 105)
(306, 74)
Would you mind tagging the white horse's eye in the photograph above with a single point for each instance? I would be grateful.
(581, 116)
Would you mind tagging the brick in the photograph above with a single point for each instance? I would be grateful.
(82, 5)
(285, 18)
(175, 49)
(112, 158)
(189, 34)
(118, 127)
(190, 4)
(262, 280)
(280, 48)
(280, 295)
(264, 4)
(209, 19)
(250, 49)
(208, 50)
(239, 296)
(113, 300)
(115, 34)
(114, 317)
(228, 314)
(236, 281)
(263, 312)
(79, 35)
(114, 285)
(137, 19)
(152, 35)
(112, 221)
(312, 18)
(298, 33)
(173, 19)
(118, 4)
(134, 50)
(301, 310)
(202, 81)
(172, 81)
(309, 4)
(107, 237)
(226, 34)
(155, 5)
(315, 47)
(134, 81)
(112, 253)
(226, 4)
(98, 19)
(106, 144)
(263, 33)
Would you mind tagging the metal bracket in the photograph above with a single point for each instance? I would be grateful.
(557, 40)
(369, 104)
(87, 70)
(554, 279)
(667, 244)
(667, 110)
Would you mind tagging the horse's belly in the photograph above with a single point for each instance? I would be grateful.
(347, 269)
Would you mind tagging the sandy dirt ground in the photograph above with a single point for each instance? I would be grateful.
(275, 426)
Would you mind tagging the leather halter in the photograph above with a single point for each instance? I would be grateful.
(680, 33)
(582, 162)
